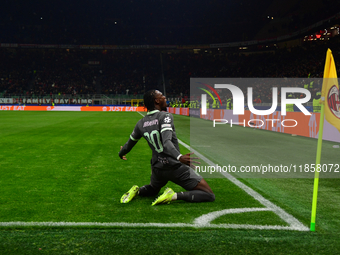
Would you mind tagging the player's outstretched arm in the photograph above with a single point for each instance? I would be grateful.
(126, 148)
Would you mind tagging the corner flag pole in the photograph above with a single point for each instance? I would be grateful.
(316, 176)
(329, 81)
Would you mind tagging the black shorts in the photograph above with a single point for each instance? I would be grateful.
(183, 176)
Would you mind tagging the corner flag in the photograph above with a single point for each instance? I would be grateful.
(330, 108)
(330, 95)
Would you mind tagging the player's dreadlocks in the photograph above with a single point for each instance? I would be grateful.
(149, 99)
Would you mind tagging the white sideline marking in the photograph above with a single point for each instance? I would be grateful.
(200, 222)
(209, 217)
(142, 225)
(141, 114)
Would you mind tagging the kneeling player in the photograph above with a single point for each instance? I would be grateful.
(167, 163)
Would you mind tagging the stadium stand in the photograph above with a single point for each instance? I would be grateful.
(42, 72)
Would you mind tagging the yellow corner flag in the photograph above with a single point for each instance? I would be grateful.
(330, 108)
(330, 92)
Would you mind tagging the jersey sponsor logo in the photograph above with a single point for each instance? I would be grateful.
(163, 160)
(150, 123)
(167, 120)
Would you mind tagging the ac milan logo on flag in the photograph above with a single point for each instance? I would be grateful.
(334, 101)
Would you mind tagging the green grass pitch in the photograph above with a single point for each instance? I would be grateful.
(64, 167)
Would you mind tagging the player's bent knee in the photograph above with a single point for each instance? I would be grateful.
(148, 191)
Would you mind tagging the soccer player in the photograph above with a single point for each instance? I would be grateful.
(167, 163)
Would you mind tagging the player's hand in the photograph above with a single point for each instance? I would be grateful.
(188, 160)
(124, 157)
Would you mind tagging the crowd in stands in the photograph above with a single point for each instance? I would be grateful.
(42, 72)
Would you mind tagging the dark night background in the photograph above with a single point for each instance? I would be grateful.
(156, 21)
